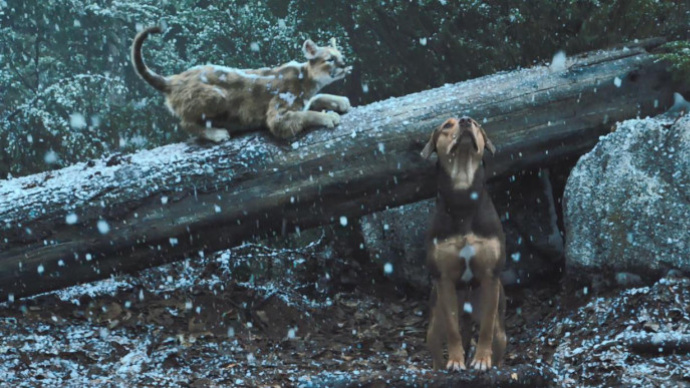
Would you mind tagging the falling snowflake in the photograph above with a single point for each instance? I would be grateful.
(51, 157)
(558, 62)
(77, 121)
(103, 227)
(71, 219)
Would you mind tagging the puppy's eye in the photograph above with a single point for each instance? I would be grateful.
(331, 59)
(447, 125)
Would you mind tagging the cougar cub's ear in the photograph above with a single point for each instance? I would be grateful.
(430, 147)
(309, 48)
(488, 144)
(334, 43)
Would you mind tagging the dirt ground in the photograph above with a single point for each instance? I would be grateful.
(204, 323)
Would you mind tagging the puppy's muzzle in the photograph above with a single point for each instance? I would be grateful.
(464, 136)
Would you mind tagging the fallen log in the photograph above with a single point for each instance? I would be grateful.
(124, 213)
(517, 376)
(658, 343)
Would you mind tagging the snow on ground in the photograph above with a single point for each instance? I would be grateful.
(593, 342)
(222, 320)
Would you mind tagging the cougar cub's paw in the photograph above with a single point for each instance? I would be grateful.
(340, 104)
(216, 135)
(331, 119)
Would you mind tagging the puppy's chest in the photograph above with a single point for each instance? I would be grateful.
(465, 258)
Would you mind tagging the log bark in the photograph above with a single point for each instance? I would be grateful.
(123, 213)
(518, 376)
(658, 343)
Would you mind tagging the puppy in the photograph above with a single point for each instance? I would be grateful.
(214, 101)
(465, 251)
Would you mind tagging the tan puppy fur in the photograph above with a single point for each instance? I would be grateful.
(465, 251)
(213, 101)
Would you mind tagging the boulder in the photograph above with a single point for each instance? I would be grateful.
(526, 203)
(627, 202)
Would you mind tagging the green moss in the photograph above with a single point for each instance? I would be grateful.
(678, 56)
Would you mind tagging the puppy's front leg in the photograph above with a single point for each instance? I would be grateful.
(449, 304)
(435, 332)
(489, 304)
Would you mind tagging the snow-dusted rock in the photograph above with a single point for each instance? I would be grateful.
(395, 238)
(627, 202)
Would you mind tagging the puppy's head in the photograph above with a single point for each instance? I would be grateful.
(458, 136)
(326, 63)
(460, 145)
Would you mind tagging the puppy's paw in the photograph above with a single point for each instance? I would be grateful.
(456, 358)
(481, 361)
(455, 365)
(340, 104)
(331, 119)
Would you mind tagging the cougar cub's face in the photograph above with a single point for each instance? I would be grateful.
(326, 64)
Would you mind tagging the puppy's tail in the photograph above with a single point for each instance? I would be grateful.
(159, 82)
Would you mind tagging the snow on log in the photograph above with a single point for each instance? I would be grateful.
(123, 213)
(658, 343)
(518, 376)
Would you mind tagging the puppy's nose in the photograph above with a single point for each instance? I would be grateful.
(465, 121)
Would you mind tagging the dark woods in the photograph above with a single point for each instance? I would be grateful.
(69, 92)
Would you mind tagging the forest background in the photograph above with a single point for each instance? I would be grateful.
(68, 92)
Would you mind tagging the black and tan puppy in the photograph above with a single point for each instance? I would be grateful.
(465, 251)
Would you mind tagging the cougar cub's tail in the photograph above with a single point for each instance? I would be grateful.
(157, 81)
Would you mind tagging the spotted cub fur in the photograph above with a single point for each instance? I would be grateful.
(214, 101)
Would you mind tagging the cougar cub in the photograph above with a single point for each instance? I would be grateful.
(213, 101)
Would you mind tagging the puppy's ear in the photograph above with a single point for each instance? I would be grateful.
(430, 147)
(309, 48)
(488, 144)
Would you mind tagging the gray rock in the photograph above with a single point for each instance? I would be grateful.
(627, 202)
(395, 238)
(626, 279)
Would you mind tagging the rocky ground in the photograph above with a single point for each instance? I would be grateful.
(207, 322)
